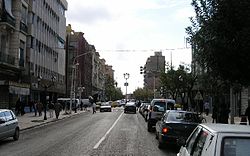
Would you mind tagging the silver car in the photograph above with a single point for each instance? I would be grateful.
(8, 125)
(217, 140)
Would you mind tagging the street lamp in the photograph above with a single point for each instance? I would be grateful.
(126, 76)
(46, 86)
(72, 88)
(80, 90)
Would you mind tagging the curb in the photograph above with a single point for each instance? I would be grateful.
(45, 123)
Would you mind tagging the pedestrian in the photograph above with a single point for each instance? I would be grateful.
(214, 114)
(58, 108)
(18, 106)
(22, 108)
(206, 107)
(35, 107)
(30, 105)
(81, 105)
(51, 109)
(39, 106)
(247, 113)
(94, 108)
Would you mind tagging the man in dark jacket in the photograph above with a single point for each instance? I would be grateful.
(247, 113)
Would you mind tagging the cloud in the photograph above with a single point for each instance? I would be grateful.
(132, 25)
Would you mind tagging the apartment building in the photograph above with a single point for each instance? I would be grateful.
(152, 70)
(45, 48)
(32, 55)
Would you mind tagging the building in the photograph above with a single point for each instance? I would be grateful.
(88, 68)
(79, 63)
(152, 70)
(45, 59)
(32, 55)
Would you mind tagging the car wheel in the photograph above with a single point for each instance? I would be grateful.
(160, 145)
(16, 135)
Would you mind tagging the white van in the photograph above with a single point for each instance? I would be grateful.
(157, 108)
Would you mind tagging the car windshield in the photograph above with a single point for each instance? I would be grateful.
(183, 117)
(161, 105)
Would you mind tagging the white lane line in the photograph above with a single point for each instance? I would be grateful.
(103, 138)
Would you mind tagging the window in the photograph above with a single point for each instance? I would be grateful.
(191, 140)
(24, 14)
(235, 146)
(199, 144)
(21, 53)
(2, 116)
(8, 116)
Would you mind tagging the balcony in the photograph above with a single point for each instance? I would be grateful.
(8, 20)
(7, 59)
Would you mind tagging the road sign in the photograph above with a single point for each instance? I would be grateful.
(198, 96)
(126, 84)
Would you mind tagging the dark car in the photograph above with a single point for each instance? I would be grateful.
(130, 107)
(175, 126)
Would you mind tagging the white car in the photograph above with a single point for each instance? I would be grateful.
(105, 107)
(8, 125)
(217, 140)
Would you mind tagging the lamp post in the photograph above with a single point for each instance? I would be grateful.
(126, 76)
(46, 86)
(72, 88)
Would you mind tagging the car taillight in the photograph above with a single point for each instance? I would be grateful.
(164, 130)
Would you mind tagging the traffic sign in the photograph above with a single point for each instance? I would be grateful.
(198, 96)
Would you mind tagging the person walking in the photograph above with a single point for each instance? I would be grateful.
(51, 109)
(206, 107)
(247, 113)
(18, 107)
(214, 115)
(39, 106)
(35, 107)
(58, 108)
(94, 108)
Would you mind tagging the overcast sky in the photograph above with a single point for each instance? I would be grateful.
(139, 27)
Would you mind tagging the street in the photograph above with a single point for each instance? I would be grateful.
(108, 133)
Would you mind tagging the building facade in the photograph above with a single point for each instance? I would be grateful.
(152, 70)
(32, 51)
(45, 64)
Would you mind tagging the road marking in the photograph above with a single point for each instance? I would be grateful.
(103, 138)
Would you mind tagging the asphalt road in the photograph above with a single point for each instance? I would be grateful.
(108, 133)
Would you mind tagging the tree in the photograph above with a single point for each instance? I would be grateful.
(178, 83)
(220, 35)
(111, 91)
(143, 94)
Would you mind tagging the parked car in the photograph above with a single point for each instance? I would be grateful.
(157, 109)
(8, 125)
(105, 107)
(130, 107)
(175, 126)
(217, 140)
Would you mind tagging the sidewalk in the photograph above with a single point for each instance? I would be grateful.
(210, 119)
(29, 120)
